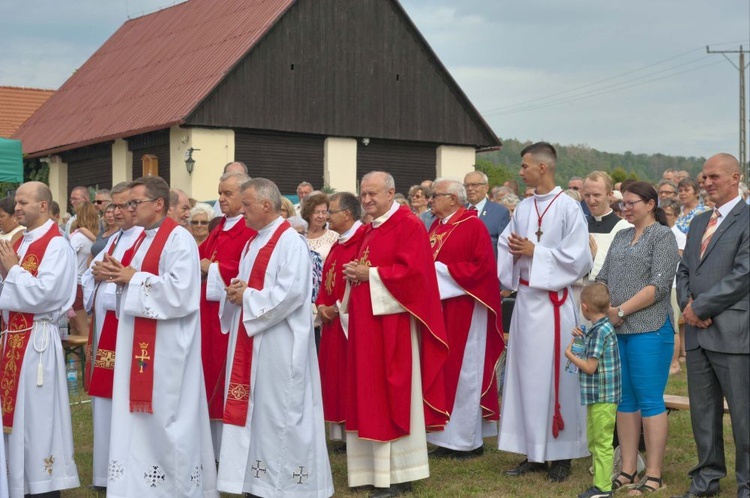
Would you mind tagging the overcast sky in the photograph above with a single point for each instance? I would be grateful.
(613, 75)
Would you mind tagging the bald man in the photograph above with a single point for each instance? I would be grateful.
(713, 289)
(38, 286)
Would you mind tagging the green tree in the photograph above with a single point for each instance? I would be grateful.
(497, 174)
(619, 175)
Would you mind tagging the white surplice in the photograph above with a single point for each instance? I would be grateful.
(561, 258)
(466, 427)
(102, 297)
(281, 450)
(40, 448)
(166, 453)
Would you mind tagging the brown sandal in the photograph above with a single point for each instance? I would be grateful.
(644, 488)
(617, 483)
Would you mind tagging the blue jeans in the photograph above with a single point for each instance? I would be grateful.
(645, 360)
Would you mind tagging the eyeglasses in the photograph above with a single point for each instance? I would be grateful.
(198, 222)
(474, 185)
(574, 188)
(337, 211)
(99, 202)
(135, 203)
(667, 192)
(121, 207)
(629, 204)
(435, 194)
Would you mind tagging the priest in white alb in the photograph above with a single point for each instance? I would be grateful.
(273, 441)
(38, 285)
(161, 440)
(541, 253)
(100, 298)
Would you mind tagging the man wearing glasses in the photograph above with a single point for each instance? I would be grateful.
(159, 406)
(100, 298)
(494, 216)
(666, 189)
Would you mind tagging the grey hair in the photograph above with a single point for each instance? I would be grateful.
(241, 177)
(120, 188)
(348, 202)
(480, 173)
(455, 187)
(305, 184)
(202, 208)
(510, 200)
(297, 222)
(667, 182)
(265, 190)
(390, 183)
(238, 163)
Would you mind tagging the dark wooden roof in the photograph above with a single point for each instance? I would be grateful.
(346, 68)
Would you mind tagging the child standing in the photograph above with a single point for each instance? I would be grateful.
(601, 388)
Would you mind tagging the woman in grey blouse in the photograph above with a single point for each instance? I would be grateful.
(638, 270)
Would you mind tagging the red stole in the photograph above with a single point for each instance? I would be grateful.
(464, 245)
(19, 331)
(238, 394)
(223, 247)
(380, 353)
(144, 331)
(333, 342)
(100, 371)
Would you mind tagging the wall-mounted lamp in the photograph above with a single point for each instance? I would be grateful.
(189, 161)
(365, 142)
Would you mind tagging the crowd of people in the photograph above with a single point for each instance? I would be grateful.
(223, 339)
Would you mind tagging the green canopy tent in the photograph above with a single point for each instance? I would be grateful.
(11, 161)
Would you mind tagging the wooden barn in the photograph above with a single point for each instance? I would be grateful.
(300, 90)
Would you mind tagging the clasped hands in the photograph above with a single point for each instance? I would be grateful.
(111, 270)
(356, 272)
(8, 257)
(692, 319)
(235, 290)
(520, 246)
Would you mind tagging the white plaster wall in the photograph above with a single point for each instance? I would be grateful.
(122, 162)
(216, 150)
(454, 161)
(58, 181)
(340, 164)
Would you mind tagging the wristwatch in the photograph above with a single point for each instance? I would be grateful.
(620, 313)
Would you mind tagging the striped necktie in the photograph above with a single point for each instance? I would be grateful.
(710, 229)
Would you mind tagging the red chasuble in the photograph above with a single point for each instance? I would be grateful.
(379, 361)
(333, 343)
(463, 245)
(19, 331)
(225, 248)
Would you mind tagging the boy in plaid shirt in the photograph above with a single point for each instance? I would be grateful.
(601, 388)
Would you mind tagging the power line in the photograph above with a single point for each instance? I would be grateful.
(505, 108)
(603, 91)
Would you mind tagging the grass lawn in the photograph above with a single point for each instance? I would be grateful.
(482, 477)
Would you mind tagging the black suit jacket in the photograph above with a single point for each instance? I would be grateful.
(719, 284)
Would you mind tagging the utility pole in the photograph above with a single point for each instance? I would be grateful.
(743, 134)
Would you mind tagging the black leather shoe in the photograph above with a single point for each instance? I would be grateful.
(559, 471)
(97, 489)
(688, 494)
(441, 452)
(394, 490)
(526, 467)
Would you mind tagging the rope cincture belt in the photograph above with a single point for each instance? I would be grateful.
(558, 423)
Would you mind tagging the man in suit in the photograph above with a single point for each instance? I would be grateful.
(713, 288)
(494, 216)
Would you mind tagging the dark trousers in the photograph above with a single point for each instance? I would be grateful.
(713, 376)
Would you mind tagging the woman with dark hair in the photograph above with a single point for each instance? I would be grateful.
(639, 269)
(690, 199)
(12, 231)
(315, 213)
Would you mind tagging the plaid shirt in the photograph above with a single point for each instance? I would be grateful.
(605, 384)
